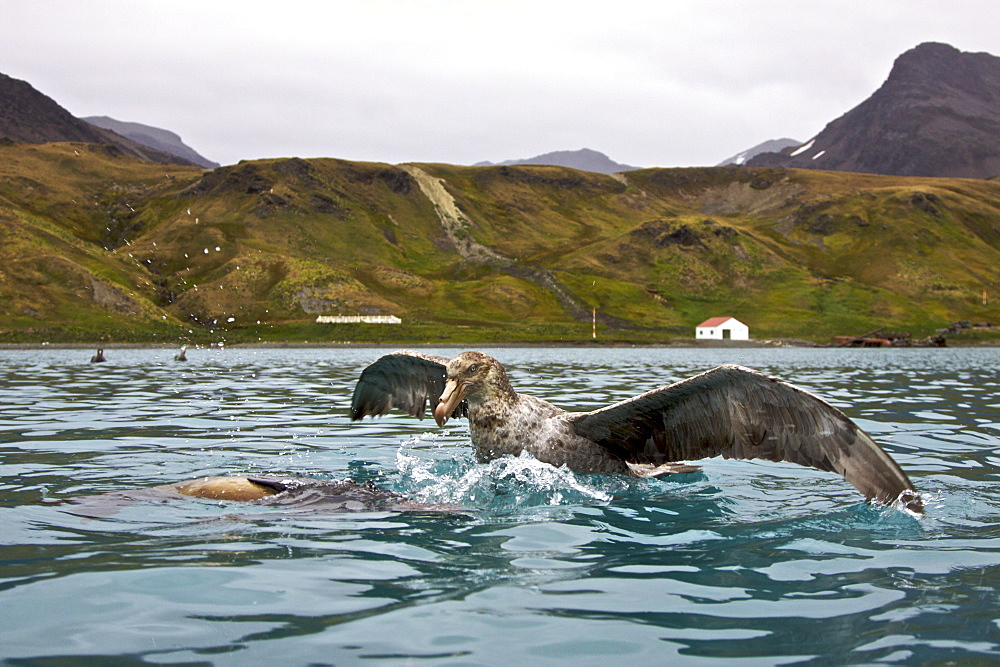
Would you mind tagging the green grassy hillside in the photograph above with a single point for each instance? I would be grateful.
(98, 246)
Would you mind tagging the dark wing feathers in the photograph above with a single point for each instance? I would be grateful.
(404, 380)
(736, 412)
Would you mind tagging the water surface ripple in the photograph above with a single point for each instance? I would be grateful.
(748, 562)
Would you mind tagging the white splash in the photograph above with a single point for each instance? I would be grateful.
(522, 479)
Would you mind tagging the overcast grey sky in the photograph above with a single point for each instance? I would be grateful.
(648, 82)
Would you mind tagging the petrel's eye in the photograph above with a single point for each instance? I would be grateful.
(472, 368)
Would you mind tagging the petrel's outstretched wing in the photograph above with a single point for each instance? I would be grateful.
(740, 413)
(404, 380)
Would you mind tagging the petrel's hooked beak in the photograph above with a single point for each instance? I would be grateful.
(454, 392)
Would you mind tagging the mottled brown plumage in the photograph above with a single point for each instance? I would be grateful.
(729, 411)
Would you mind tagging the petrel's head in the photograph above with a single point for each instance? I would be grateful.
(471, 376)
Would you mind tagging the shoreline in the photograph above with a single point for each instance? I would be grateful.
(716, 344)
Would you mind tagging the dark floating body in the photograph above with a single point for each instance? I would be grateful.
(729, 411)
(300, 493)
(99, 357)
(182, 355)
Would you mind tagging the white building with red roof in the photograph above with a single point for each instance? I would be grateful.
(722, 328)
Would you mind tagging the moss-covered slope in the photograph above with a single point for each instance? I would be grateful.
(96, 245)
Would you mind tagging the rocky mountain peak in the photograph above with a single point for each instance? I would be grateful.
(937, 114)
(29, 116)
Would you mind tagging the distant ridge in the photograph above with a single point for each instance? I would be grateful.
(770, 146)
(584, 159)
(154, 137)
(937, 114)
(29, 116)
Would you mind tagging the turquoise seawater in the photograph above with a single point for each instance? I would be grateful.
(742, 563)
